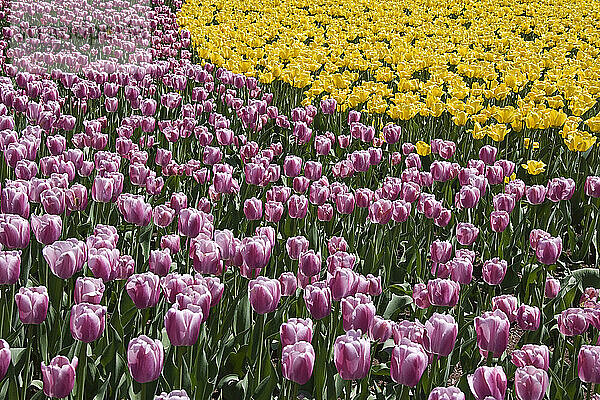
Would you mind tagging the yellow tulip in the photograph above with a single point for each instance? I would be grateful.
(534, 167)
(423, 149)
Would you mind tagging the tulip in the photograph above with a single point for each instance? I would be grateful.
(264, 294)
(492, 330)
(551, 288)
(504, 202)
(5, 357)
(10, 267)
(487, 154)
(336, 243)
(296, 246)
(134, 209)
(318, 300)
(560, 189)
(59, 376)
(310, 263)
(144, 289)
(66, 257)
(163, 215)
(528, 317)
(588, 364)
(413, 331)
(325, 212)
(461, 270)
(536, 235)
(531, 354)
(292, 166)
(468, 196)
(253, 208)
(289, 283)
(446, 393)
(466, 233)
(297, 206)
(443, 292)
(531, 383)
(352, 355)
(488, 383)
(440, 334)
(88, 290)
(47, 228)
(499, 220)
(420, 295)
(297, 362)
(103, 262)
(358, 313)
(255, 252)
(573, 322)
(15, 200)
(183, 325)
(494, 271)
(173, 395)
(536, 194)
(440, 252)
(160, 262)
(507, 304)
(87, 321)
(342, 283)
(548, 250)
(409, 361)
(171, 242)
(381, 329)
(296, 330)
(592, 186)
(145, 358)
(32, 304)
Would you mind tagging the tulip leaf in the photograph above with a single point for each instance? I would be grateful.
(396, 305)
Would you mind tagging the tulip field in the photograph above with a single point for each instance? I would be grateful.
(284, 199)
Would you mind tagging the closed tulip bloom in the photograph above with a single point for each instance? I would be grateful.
(53, 200)
(292, 166)
(487, 154)
(160, 262)
(297, 362)
(183, 325)
(255, 252)
(310, 263)
(446, 393)
(87, 321)
(551, 288)
(10, 267)
(342, 283)
(409, 361)
(340, 259)
(325, 212)
(468, 196)
(59, 376)
(466, 233)
(253, 208)
(536, 235)
(163, 215)
(352, 355)
(504, 202)
(548, 250)
(528, 317)
(413, 331)
(573, 322)
(32, 304)
(507, 304)
(5, 357)
(461, 270)
(420, 295)
(273, 211)
(440, 251)
(134, 209)
(536, 194)
(173, 395)
(492, 330)
(296, 246)
(532, 354)
(531, 383)
(588, 364)
(65, 257)
(560, 189)
(499, 220)
(440, 334)
(592, 186)
(15, 200)
(443, 292)
(358, 312)
(318, 300)
(264, 294)
(47, 228)
(88, 290)
(345, 203)
(494, 174)
(191, 222)
(494, 270)
(296, 330)
(144, 289)
(381, 329)
(103, 262)
(145, 358)
(171, 242)
(488, 383)
(297, 206)
(289, 283)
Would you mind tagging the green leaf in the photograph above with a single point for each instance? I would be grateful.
(396, 305)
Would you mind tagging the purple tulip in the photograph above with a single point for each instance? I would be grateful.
(145, 358)
(551, 288)
(296, 246)
(59, 376)
(592, 186)
(65, 257)
(440, 251)
(296, 330)
(443, 292)
(310, 263)
(297, 362)
(264, 294)
(446, 393)
(494, 270)
(560, 189)
(466, 233)
(548, 250)
(253, 208)
(468, 196)
(144, 289)
(588, 364)
(160, 262)
(352, 355)
(440, 334)
(507, 304)
(32, 304)
(10, 267)
(318, 300)
(87, 321)
(528, 317)
(381, 329)
(573, 322)
(183, 325)
(420, 295)
(173, 395)
(488, 383)
(103, 262)
(531, 383)
(487, 154)
(536, 194)
(358, 312)
(409, 361)
(5, 357)
(532, 354)
(499, 220)
(492, 330)
(88, 290)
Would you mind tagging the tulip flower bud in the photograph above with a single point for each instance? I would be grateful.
(296, 330)
(440, 334)
(10, 267)
(264, 294)
(487, 154)
(358, 313)
(297, 362)
(145, 358)
(144, 289)
(492, 330)
(352, 355)
(87, 321)
(592, 186)
(494, 270)
(289, 283)
(548, 250)
(253, 208)
(88, 290)
(488, 382)
(183, 325)
(297, 206)
(310, 263)
(171, 242)
(32, 304)
(160, 262)
(552, 287)
(343, 283)
(318, 300)
(535, 235)
(536, 194)
(507, 304)
(446, 393)
(560, 189)
(292, 166)
(409, 361)
(59, 376)
(420, 295)
(528, 317)
(466, 233)
(504, 202)
(573, 322)
(443, 292)
(325, 212)
(532, 354)
(468, 196)
(440, 252)
(531, 383)
(296, 246)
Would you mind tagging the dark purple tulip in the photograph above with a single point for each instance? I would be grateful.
(160, 262)
(551, 288)
(440, 251)
(499, 220)
(536, 194)
(87, 321)
(588, 364)
(487, 154)
(548, 250)
(592, 186)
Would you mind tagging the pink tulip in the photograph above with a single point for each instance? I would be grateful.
(488, 383)
(87, 321)
(494, 271)
(5, 357)
(10, 267)
(531, 383)
(409, 361)
(145, 358)
(440, 334)
(352, 355)
(318, 300)
(297, 362)
(528, 317)
(264, 294)
(531, 354)
(88, 290)
(144, 289)
(59, 376)
(183, 325)
(492, 330)
(296, 330)
(32, 304)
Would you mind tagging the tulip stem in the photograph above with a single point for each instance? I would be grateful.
(590, 390)
(82, 369)
(348, 389)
